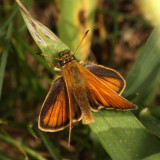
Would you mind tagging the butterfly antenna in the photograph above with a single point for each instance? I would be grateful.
(44, 55)
(81, 41)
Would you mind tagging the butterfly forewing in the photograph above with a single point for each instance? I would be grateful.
(100, 92)
(54, 115)
(108, 76)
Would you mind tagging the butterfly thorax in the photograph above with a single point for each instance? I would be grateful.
(66, 57)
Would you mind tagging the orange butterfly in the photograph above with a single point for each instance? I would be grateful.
(80, 90)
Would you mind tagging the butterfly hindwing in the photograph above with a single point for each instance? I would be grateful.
(54, 114)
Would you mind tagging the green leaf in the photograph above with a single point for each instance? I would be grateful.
(149, 121)
(123, 136)
(49, 145)
(153, 157)
(3, 66)
(75, 19)
(4, 157)
(155, 111)
(22, 147)
(46, 40)
(144, 77)
(4, 57)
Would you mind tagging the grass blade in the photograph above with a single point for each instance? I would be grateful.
(49, 145)
(4, 157)
(46, 40)
(144, 77)
(3, 66)
(12, 141)
(4, 57)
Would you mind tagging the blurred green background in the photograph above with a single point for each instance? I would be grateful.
(124, 35)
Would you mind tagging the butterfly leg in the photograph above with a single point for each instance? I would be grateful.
(54, 67)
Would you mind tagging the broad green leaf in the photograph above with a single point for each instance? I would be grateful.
(144, 77)
(155, 111)
(123, 136)
(153, 157)
(149, 121)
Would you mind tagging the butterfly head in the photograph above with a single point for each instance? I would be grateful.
(66, 57)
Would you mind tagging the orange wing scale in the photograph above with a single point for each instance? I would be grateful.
(57, 114)
(112, 83)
